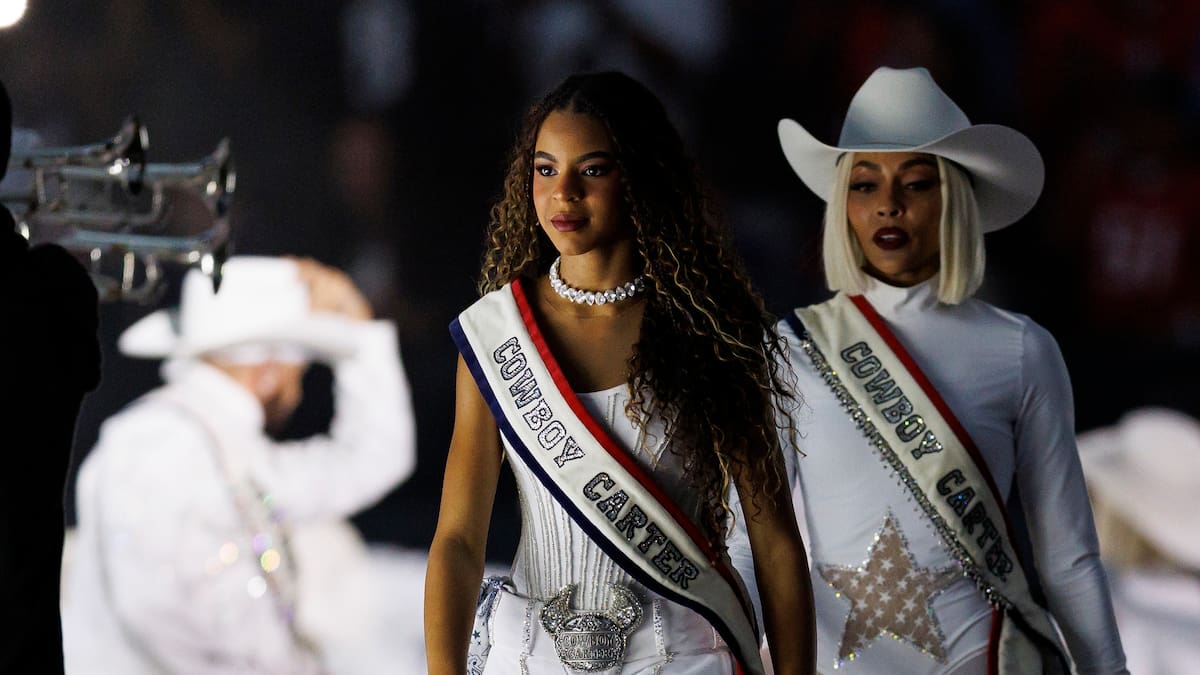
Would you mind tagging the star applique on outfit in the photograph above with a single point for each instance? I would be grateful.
(890, 595)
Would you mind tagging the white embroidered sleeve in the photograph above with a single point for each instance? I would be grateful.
(185, 599)
(371, 446)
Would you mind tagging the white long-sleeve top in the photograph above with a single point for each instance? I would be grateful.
(164, 573)
(1004, 378)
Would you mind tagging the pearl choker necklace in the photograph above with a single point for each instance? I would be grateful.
(581, 297)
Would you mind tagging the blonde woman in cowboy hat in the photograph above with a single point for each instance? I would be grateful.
(1143, 474)
(942, 490)
(190, 517)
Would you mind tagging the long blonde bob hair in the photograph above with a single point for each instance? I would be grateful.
(962, 257)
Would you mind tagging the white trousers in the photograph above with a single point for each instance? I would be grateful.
(671, 640)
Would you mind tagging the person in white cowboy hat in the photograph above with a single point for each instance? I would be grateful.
(1143, 474)
(940, 486)
(183, 559)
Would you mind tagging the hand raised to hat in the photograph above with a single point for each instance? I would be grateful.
(331, 290)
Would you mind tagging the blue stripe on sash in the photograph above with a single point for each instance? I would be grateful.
(796, 325)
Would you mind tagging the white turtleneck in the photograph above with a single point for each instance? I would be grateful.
(1004, 378)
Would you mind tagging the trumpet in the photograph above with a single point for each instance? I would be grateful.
(125, 217)
(129, 145)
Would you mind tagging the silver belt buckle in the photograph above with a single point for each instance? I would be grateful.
(591, 641)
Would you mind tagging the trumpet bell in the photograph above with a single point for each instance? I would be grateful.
(123, 217)
(128, 145)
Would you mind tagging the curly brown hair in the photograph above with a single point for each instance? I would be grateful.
(708, 360)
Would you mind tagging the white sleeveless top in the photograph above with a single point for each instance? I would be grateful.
(553, 551)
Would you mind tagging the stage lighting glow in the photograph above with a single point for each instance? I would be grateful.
(11, 11)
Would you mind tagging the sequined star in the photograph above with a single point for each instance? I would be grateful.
(890, 595)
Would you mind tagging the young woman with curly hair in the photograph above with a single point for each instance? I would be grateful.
(627, 415)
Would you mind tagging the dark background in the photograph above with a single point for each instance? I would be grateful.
(372, 135)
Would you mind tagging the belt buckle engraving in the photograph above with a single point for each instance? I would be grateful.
(591, 641)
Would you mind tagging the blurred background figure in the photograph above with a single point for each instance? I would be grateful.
(51, 359)
(205, 546)
(1144, 478)
(392, 117)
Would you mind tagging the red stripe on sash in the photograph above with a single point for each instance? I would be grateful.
(994, 642)
(630, 465)
(596, 430)
(914, 370)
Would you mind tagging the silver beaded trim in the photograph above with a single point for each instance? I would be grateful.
(582, 297)
(526, 642)
(660, 638)
(889, 457)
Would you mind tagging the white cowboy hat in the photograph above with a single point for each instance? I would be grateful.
(262, 303)
(905, 111)
(1147, 469)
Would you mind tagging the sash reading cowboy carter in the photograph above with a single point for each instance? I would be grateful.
(905, 419)
(604, 491)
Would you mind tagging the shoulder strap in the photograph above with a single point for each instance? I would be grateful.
(274, 558)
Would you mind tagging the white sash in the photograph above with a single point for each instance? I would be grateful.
(905, 419)
(600, 487)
